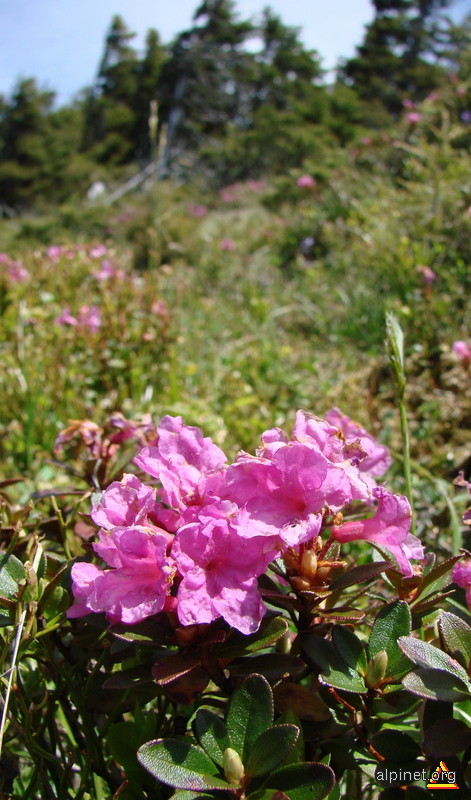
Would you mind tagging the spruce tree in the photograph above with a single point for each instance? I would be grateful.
(401, 53)
(110, 116)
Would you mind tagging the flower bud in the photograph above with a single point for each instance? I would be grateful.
(309, 563)
(376, 669)
(233, 767)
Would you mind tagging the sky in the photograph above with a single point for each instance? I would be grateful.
(60, 42)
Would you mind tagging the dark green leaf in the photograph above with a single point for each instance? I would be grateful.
(180, 764)
(435, 684)
(426, 655)
(126, 678)
(364, 572)
(456, 636)
(349, 647)
(334, 670)
(238, 644)
(446, 738)
(271, 748)
(11, 572)
(302, 781)
(396, 745)
(250, 713)
(211, 733)
(392, 621)
(438, 577)
(273, 666)
(124, 738)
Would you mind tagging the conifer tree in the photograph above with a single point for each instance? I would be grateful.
(110, 117)
(401, 53)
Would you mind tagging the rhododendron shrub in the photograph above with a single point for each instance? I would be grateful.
(266, 627)
(210, 528)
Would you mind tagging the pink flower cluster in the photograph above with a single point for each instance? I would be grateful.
(463, 351)
(198, 542)
(88, 318)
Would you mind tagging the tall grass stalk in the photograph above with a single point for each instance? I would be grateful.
(395, 349)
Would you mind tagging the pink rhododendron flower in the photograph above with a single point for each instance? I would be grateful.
(17, 273)
(428, 275)
(138, 584)
(124, 503)
(97, 251)
(66, 318)
(290, 484)
(306, 182)
(186, 463)
(197, 210)
(377, 459)
(106, 271)
(220, 570)
(461, 575)
(348, 455)
(228, 245)
(54, 251)
(463, 351)
(89, 317)
(389, 528)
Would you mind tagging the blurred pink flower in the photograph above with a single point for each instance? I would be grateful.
(306, 182)
(197, 210)
(17, 273)
(55, 251)
(366, 140)
(408, 103)
(66, 318)
(463, 351)
(97, 251)
(89, 317)
(227, 245)
(413, 117)
(427, 274)
(107, 270)
(461, 575)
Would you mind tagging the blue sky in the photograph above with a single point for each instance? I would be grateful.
(60, 42)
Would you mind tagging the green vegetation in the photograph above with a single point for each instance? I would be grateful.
(284, 231)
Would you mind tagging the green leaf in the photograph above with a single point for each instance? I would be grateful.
(392, 621)
(273, 666)
(426, 655)
(124, 738)
(334, 670)
(11, 572)
(239, 644)
(180, 764)
(436, 684)
(438, 577)
(271, 748)
(349, 647)
(211, 733)
(302, 781)
(250, 713)
(446, 738)
(456, 636)
(396, 745)
(364, 572)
